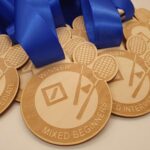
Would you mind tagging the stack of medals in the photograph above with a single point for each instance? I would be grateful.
(71, 101)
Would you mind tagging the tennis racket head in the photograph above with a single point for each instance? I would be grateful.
(105, 67)
(16, 57)
(137, 45)
(64, 35)
(71, 45)
(78, 23)
(5, 44)
(85, 53)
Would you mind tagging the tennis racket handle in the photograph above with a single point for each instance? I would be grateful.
(135, 93)
(85, 104)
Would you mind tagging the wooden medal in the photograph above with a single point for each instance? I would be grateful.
(131, 87)
(13, 59)
(50, 109)
(9, 85)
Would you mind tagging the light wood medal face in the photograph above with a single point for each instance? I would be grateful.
(131, 98)
(49, 109)
(26, 73)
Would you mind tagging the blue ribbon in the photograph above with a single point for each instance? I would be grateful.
(102, 20)
(57, 13)
(71, 9)
(6, 11)
(103, 23)
(32, 24)
(127, 6)
(35, 31)
(6, 14)
(2, 30)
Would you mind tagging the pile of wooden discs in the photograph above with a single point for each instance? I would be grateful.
(71, 101)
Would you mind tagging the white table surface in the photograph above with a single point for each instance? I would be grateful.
(119, 134)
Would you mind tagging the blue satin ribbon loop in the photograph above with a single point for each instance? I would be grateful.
(103, 23)
(7, 11)
(57, 13)
(2, 30)
(35, 31)
(11, 32)
(6, 14)
(127, 6)
(32, 23)
(71, 9)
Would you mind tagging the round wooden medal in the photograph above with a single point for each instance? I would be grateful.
(48, 104)
(130, 99)
(13, 59)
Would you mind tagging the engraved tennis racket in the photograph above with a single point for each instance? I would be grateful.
(147, 61)
(138, 46)
(84, 54)
(15, 58)
(105, 68)
(64, 35)
(5, 44)
(145, 37)
(71, 45)
(78, 23)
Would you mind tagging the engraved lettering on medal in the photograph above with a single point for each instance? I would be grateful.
(7, 93)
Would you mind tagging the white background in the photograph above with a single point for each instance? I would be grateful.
(119, 134)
